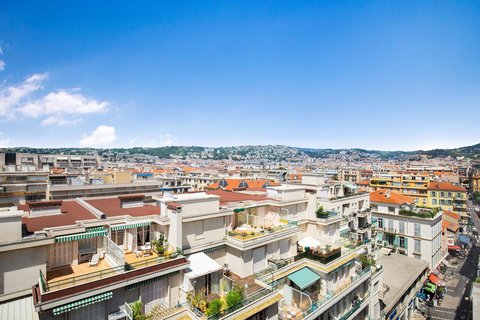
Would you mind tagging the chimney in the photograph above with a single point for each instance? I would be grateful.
(44, 208)
(131, 201)
(387, 194)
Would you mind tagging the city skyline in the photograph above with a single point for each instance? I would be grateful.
(315, 75)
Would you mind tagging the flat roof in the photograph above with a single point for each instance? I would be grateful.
(399, 273)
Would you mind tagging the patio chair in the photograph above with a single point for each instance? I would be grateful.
(138, 253)
(94, 261)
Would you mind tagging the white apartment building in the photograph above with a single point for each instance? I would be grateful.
(404, 228)
(93, 258)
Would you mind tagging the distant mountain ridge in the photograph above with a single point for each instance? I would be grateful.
(250, 152)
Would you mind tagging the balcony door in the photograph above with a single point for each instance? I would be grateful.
(284, 248)
(155, 293)
(259, 261)
(60, 254)
(94, 311)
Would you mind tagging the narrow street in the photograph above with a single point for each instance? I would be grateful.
(458, 279)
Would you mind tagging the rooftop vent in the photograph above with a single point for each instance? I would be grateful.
(132, 201)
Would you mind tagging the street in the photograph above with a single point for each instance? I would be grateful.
(458, 279)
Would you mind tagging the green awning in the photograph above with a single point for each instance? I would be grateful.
(304, 278)
(82, 303)
(350, 186)
(430, 287)
(145, 282)
(130, 225)
(89, 233)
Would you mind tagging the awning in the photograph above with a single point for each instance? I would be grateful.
(457, 248)
(464, 239)
(350, 186)
(89, 233)
(309, 242)
(82, 303)
(130, 225)
(18, 309)
(200, 265)
(385, 251)
(435, 280)
(430, 287)
(304, 278)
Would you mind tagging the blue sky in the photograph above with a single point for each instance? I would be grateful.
(390, 75)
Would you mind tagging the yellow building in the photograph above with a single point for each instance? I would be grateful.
(476, 184)
(448, 196)
(412, 184)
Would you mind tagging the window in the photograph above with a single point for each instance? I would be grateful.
(417, 245)
(199, 230)
(459, 195)
(380, 222)
(143, 235)
(449, 194)
(390, 223)
(432, 193)
(402, 242)
(434, 201)
(391, 209)
(118, 236)
(416, 231)
(402, 227)
(375, 287)
(442, 194)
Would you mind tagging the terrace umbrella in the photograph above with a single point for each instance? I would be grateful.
(309, 242)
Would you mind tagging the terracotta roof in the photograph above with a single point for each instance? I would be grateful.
(236, 184)
(394, 198)
(445, 186)
(452, 214)
(71, 211)
(112, 208)
(449, 225)
(229, 196)
(363, 183)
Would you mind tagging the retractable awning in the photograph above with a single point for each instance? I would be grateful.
(82, 303)
(435, 280)
(200, 265)
(430, 287)
(89, 233)
(464, 239)
(304, 278)
(130, 225)
(457, 248)
(351, 186)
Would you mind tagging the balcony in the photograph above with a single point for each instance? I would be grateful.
(82, 281)
(247, 236)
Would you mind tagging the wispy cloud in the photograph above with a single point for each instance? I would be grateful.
(102, 136)
(2, 65)
(12, 96)
(61, 107)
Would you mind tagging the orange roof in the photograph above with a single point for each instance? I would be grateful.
(449, 225)
(452, 214)
(445, 186)
(242, 184)
(363, 183)
(394, 198)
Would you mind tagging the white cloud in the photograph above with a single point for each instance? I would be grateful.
(2, 65)
(63, 103)
(101, 136)
(53, 120)
(12, 96)
(4, 142)
(168, 140)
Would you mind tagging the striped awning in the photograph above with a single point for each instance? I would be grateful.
(145, 282)
(82, 303)
(89, 233)
(130, 225)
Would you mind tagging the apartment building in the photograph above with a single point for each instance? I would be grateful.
(17, 187)
(404, 228)
(94, 258)
(413, 184)
(350, 175)
(448, 196)
(40, 161)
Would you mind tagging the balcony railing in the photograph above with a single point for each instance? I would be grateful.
(47, 286)
(334, 293)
